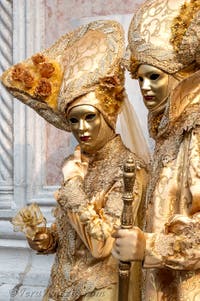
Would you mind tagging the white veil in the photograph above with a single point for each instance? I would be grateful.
(131, 132)
(128, 125)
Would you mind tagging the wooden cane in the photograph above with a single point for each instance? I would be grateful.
(126, 223)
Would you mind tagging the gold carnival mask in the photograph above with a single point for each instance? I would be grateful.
(89, 126)
(154, 85)
(164, 35)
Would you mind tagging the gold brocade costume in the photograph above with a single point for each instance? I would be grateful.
(173, 218)
(78, 85)
(83, 261)
(166, 35)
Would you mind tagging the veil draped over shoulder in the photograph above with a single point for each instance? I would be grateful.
(131, 132)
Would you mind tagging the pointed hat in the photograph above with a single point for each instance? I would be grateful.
(85, 60)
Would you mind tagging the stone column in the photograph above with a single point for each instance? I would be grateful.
(23, 274)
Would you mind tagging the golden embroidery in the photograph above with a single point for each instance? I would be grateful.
(75, 271)
(164, 35)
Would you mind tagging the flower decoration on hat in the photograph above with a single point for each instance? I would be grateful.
(75, 65)
(40, 77)
(110, 92)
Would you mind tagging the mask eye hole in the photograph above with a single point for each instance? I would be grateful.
(90, 117)
(140, 78)
(73, 120)
(154, 76)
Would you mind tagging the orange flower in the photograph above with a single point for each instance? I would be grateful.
(17, 72)
(38, 58)
(27, 79)
(46, 69)
(21, 74)
(43, 89)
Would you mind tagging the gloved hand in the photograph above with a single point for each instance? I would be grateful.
(129, 244)
(42, 240)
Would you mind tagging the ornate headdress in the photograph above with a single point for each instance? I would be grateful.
(165, 34)
(85, 60)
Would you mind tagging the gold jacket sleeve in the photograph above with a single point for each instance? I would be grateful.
(94, 222)
(177, 244)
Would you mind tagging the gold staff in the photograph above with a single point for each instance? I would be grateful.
(126, 223)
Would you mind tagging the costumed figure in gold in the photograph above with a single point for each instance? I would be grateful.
(78, 86)
(164, 48)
